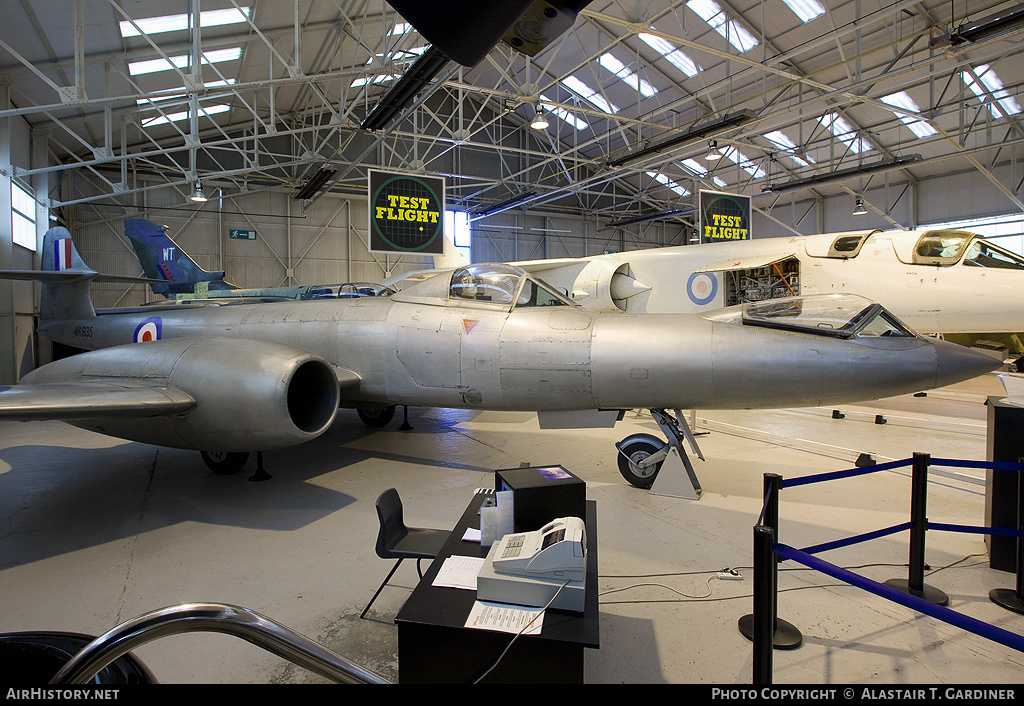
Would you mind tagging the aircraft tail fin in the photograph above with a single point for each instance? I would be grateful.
(65, 293)
(162, 259)
(451, 258)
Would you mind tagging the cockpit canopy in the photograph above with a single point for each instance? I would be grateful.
(501, 284)
(833, 315)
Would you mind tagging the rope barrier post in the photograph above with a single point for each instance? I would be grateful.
(763, 618)
(1013, 599)
(914, 584)
(786, 635)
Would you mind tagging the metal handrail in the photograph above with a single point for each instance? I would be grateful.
(211, 617)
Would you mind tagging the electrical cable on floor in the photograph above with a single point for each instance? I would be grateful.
(516, 636)
(707, 598)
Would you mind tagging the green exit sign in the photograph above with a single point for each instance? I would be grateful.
(243, 234)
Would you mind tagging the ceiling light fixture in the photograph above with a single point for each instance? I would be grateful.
(539, 121)
(713, 154)
(841, 174)
(859, 209)
(199, 195)
(688, 137)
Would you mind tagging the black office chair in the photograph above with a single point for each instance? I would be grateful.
(396, 541)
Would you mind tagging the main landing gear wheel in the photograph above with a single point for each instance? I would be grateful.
(630, 454)
(377, 417)
(224, 462)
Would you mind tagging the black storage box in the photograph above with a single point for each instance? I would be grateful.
(542, 494)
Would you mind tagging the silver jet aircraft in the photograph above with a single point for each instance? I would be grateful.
(936, 281)
(234, 377)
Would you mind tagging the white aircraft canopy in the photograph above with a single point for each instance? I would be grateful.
(833, 315)
(503, 285)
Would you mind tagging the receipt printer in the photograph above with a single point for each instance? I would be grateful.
(529, 568)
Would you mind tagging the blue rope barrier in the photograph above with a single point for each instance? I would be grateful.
(995, 465)
(990, 632)
(997, 531)
(818, 548)
(834, 475)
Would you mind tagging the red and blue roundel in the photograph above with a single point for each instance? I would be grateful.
(701, 288)
(149, 330)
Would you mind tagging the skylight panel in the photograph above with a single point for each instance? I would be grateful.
(180, 93)
(620, 70)
(665, 181)
(733, 31)
(400, 28)
(174, 23)
(674, 56)
(779, 139)
(995, 89)
(589, 94)
(181, 61)
(917, 126)
(564, 115)
(183, 115)
(806, 10)
(734, 155)
(702, 171)
(379, 78)
(844, 133)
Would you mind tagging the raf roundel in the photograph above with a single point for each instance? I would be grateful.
(701, 288)
(148, 330)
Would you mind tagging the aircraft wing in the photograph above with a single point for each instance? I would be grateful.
(69, 275)
(81, 399)
(1014, 386)
(745, 263)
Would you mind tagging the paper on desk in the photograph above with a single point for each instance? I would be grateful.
(459, 572)
(505, 618)
(472, 535)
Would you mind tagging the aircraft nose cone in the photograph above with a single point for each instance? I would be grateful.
(957, 363)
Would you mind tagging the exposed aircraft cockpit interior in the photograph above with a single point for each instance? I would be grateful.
(951, 247)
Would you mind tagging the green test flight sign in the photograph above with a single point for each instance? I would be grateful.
(724, 217)
(406, 214)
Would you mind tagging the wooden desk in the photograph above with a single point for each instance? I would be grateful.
(434, 647)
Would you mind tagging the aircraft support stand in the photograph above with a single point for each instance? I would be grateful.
(676, 477)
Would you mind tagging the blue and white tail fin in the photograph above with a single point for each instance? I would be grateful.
(65, 293)
(162, 259)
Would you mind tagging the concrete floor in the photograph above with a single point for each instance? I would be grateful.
(95, 531)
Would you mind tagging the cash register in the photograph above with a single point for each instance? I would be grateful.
(532, 568)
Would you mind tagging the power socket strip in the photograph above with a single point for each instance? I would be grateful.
(730, 575)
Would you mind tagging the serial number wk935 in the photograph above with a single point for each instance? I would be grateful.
(83, 331)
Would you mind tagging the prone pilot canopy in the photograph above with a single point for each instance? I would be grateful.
(833, 315)
(503, 285)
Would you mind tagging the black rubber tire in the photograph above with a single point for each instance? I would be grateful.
(635, 451)
(224, 462)
(377, 417)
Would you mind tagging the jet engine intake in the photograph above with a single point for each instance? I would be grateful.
(249, 395)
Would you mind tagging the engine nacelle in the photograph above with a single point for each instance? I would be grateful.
(249, 395)
(604, 286)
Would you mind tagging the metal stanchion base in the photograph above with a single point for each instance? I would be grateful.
(929, 593)
(786, 637)
(1007, 598)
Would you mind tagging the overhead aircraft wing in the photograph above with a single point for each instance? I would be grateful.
(745, 263)
(83, 399)
(1014, 386)
(68, 275)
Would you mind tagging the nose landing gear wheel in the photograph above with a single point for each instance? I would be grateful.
(377, 417)
(632, 453)
(224, 462)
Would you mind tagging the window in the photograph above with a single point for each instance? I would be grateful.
(174, 23)
(674, 56)
(992, 91)
(456, 225)
(626, 76)
(564, 115)
(917, 126)
(183, 115)
(844, 133)
(700, 170)
(715, 16)
(23, 217)
(589, 94)
(983, 254)
(806, 10)
(780, 140)
(665, 181)
(182, 61)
